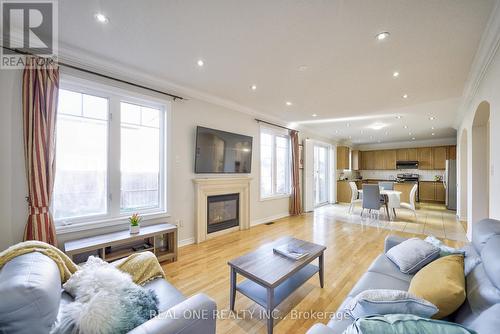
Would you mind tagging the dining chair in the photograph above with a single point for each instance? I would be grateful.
(386, 185)
(354, 196)
(411, 206)
(372, 199)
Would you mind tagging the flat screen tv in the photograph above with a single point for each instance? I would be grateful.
(222, 152)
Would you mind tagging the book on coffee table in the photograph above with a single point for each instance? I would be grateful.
(290, 252)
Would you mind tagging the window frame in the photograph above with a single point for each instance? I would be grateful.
(115, 96)
(275, 132)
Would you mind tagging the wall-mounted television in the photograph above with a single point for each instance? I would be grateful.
(222, 152)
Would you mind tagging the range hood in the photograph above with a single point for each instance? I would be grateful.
(407, 164)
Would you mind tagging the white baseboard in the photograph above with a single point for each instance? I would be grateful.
(269, 219)
(185, 242)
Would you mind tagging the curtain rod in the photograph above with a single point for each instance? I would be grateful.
(175, 97)
(277, 125)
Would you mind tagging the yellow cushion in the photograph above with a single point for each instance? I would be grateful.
(442, 283)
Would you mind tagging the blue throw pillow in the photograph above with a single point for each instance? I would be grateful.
(412, 255)
(382, 301)
(404, 324)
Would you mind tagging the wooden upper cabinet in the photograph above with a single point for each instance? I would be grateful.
(439, 155)
(452, 152)
(389, 159)
(369, 159)
(356, 160)
(424, 158)
(402, 154)
(342, 157)
(379, 160)
(412, 154)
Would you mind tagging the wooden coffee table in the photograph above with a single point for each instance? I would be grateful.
(271, 277)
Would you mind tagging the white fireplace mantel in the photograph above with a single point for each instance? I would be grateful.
(205, 187)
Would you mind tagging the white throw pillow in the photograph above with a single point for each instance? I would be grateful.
(382, 301)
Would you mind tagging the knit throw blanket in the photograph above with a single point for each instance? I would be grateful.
(143, 267)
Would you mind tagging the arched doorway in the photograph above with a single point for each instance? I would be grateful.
(462, 190)
(479, 194)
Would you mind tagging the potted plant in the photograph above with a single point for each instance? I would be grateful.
(135, 223)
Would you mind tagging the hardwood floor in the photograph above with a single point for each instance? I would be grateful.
(350, 250)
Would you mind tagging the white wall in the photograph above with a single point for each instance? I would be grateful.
(488, 90)
(186, 115)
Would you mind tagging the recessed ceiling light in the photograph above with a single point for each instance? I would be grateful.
(382, 35)
(432, 118)
(406, 126)
(395, 74)
(253, 87)
(314, 115)
(288, 103)
(405, 96)
(399, 116)
(303, 68)
(432, 128)
(433, 134)
(101, 18)
(413, 138)
(200, 63)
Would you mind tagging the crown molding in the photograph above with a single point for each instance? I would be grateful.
(84, 59)
(488, 47)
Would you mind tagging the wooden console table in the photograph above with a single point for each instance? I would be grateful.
(161, 239)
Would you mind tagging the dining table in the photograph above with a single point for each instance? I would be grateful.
(393, 199)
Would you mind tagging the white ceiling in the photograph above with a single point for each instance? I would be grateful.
(263, 42)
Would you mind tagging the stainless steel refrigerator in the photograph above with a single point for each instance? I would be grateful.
(450, 184)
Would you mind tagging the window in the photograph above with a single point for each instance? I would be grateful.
(275, 163)
(110, 156)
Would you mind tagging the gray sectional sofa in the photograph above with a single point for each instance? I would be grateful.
(481, 310)
(31, 299)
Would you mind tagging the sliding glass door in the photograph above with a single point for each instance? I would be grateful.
(321, 175)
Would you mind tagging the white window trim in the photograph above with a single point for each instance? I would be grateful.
(275, 132)
(116, 95)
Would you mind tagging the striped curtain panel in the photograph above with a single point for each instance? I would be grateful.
(40, 91)
(295, 198)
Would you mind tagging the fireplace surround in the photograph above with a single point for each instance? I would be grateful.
(207, 187)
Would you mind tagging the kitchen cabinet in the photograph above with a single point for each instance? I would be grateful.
(356, 160)
(343, 192)
(389, 159)
(368, 160)
(405, 189)
(425, 158)
(452, 152)
(342, 157)
(427, 192)
(379, 160)
(412, 154)
(431, 191)
(402, 154)
(439, 155)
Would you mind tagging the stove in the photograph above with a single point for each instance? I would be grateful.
(406, 177)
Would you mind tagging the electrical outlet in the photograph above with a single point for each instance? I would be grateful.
(179, 223)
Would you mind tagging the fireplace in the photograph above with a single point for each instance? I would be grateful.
(223, 212)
